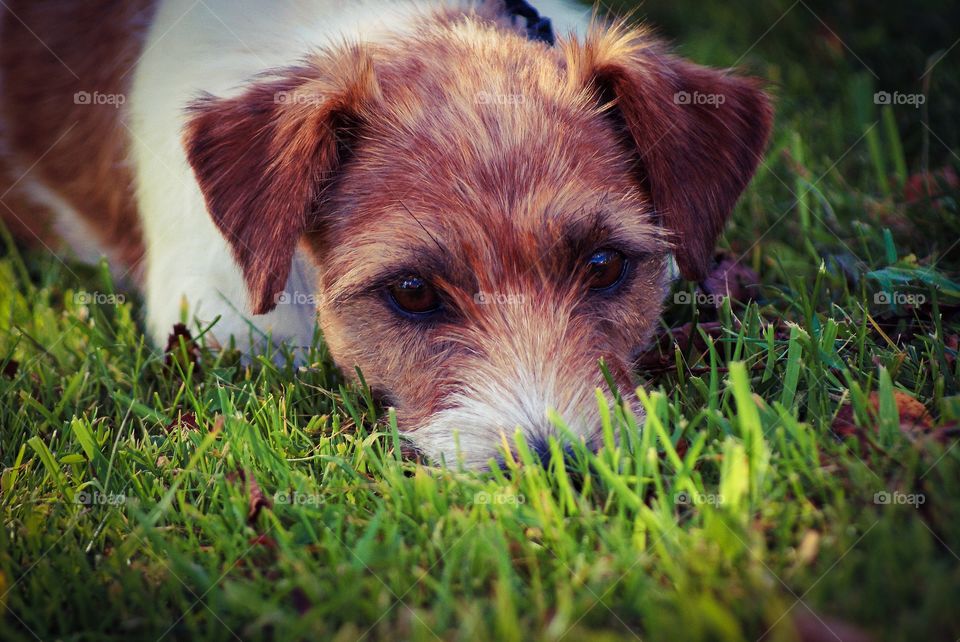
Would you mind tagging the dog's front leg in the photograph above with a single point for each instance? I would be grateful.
(190, 271)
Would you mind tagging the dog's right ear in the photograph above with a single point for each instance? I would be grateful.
(264, 158)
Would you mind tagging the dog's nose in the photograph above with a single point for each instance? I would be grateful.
(540, 446)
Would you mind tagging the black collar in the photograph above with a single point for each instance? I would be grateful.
(538, 27)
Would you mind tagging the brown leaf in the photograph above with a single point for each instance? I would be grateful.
(953, 346)
(186, 420)
(682, 446)
(256, 500)
(930, 185)
(844, 424)
(915, 421)
(300, 600)
(10, 368)
(914, 418)
(659, 356)
(732, 279)
(186, 355)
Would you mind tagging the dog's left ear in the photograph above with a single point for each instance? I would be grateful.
(264, 159)
(698, 132)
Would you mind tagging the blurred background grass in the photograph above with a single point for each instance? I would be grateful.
(821, 55)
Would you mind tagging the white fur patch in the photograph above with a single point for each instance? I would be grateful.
(471, 431)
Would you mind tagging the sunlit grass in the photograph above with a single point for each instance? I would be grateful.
(195, 495)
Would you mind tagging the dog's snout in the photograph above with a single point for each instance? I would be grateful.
(540, 448)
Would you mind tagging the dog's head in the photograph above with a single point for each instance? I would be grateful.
(490, 217)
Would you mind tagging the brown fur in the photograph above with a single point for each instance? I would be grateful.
(78, 149)
(576, 148)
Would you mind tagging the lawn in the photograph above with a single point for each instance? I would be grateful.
(797, 476)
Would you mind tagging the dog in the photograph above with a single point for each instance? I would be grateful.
(477, 207)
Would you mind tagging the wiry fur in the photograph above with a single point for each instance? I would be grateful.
(447, 145)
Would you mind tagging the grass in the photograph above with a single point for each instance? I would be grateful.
(768, 495)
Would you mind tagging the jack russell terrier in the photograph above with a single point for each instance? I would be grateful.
(474, 211)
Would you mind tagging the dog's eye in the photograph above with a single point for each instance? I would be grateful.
(606, 269)
(414, 295)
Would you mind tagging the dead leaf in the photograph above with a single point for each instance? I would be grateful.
(914, 418)
(844, 424)
(186, 420)
(915, 421)
(682, 446)
(10, 368)
(300, 600)
(186, 354)
(930, 185)
(953, 346)
(256, 500)
(659, 356)
(732, 279)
